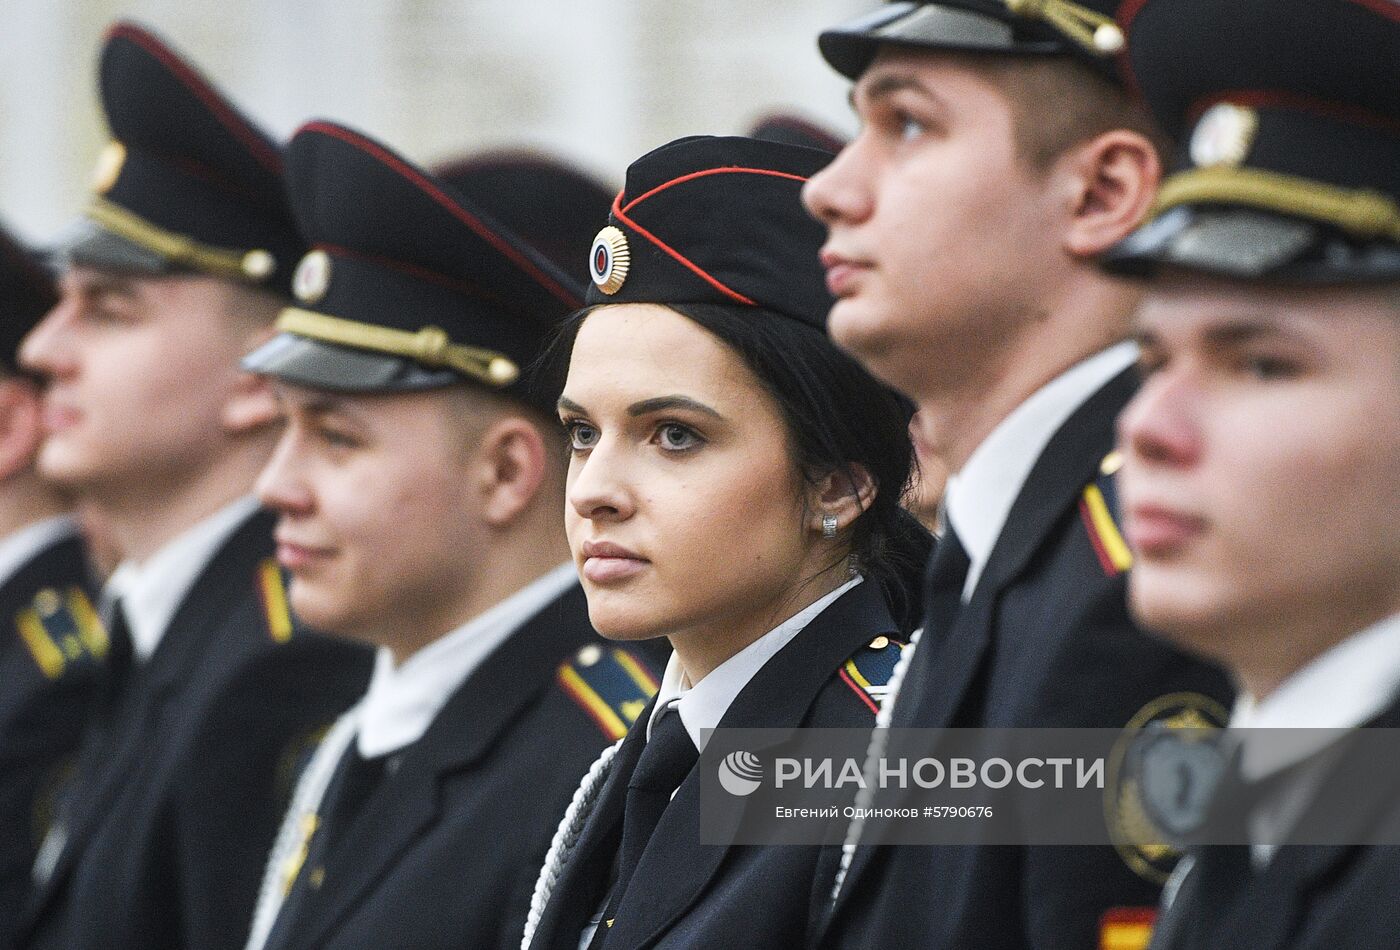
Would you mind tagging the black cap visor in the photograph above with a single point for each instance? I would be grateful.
(89, 244)
(851, 47)
(1252, 244)
(315, 364)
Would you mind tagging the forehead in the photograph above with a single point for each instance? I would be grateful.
(638, 351)
(949, 76)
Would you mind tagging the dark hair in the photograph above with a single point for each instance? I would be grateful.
(838, 416)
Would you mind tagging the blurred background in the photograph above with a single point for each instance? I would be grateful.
(596, 81)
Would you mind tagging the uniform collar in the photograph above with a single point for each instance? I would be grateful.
(703, 705)
(1342, 689)
(152, 591)
(19, 547)
(402, 701)
(980, 496)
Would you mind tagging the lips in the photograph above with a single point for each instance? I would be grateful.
(608, 563)
(299, 557)
(1158, 531)
(842, 273)
(57, 417)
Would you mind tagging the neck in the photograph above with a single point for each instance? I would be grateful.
(517, 558)
(1089, 316)
(1270, 650)
(26, 499)
(143, 517)
(702, 649)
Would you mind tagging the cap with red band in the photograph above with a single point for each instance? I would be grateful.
(715, 220)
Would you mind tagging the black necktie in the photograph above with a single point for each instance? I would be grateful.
(121, 657)
(664, 763)
(358, 779)
(947, 573)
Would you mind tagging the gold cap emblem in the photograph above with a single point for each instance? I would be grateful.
(609, 260)
(109, 167)
(313, 277)
(1224, 135)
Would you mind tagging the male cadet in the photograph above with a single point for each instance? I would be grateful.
(1262, 455)
(187, 249)
(52, 647)
(996, 159)
(419, 484)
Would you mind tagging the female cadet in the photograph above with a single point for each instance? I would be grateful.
(734, 486)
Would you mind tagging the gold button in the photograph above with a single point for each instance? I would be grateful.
(317, 877)
(879, 643)
(589, 655)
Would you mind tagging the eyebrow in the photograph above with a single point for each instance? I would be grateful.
(648, 406)
(1233, 332)
(886, 84)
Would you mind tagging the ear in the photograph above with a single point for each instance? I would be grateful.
(511, 459)
(1111, 182)
(252, 404)
(842, 494)
(21, 425)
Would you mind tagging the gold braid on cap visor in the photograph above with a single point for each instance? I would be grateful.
(429, 346)
(1089, 28)
(1363, 214)
(254, 266)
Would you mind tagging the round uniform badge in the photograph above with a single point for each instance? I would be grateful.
(1224, 135)
(609, 260)
(109, 167)
(258, 264)
(312, 277)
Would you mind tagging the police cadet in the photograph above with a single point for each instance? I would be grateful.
(419, 483)
(734, 486)
(187, 248)
(53, 645)
(1262, 455)
(996, 158)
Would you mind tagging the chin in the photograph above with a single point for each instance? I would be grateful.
(871, 340)
(61, 463)
(1179, 609)
(622, 618)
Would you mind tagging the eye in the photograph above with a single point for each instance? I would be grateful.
(674, 437)
(1149, 362)
(581, 435)
(910, 128)
(337, 438)
(1265, 368)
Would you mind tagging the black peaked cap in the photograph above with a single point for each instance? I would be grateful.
(188, 183)
(548, 202)
(408, 286)
(715, 220)
(1086, 29)
(27, 292)
(1288, 116)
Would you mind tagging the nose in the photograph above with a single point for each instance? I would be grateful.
(1159, 426)
(280, 485)
(597, 486)
(840, 193)
(46, 349)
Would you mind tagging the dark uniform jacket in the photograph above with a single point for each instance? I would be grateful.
(445, 850)
(183, 782)
(1045, 641)
(685, 894)
(1309, 897)
(50, 670)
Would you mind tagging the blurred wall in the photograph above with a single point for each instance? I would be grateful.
(599, 81)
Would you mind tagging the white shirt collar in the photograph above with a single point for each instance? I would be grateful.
(980, 496)
(702, 706)
(152, 591)
(403, 701)
(18, 548)
(1341, 689)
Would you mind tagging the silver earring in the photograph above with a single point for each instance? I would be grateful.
(829, 526)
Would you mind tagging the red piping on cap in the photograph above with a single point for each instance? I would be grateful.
(1385, 8)
(620, 212)
(735, 170)
(265, 154)
(452, 207)
(1295, 102)
(417, 272)
(680, 258)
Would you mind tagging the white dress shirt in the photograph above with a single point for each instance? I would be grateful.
(1340, 690)
(17, 548)
(980, 496)
(701, 706)
(153, 590)
(402, 701)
